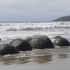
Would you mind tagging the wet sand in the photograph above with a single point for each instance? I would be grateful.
(45, 59)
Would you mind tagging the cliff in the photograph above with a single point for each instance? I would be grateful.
(65, 18)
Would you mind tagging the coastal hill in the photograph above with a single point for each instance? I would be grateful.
(65, 18)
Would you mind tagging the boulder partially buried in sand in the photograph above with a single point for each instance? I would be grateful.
(41, 42)
(7, 49)
(21, 45)
(60, 41)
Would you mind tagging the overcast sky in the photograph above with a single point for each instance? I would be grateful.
(33, 10)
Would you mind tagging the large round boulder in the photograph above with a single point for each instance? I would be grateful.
(29, 38)
(60, 41)
(41, 42)
(7, 49)
(21, 44)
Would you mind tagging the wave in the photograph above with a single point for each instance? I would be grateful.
(11, 29)
(22, 30)
(33, 26)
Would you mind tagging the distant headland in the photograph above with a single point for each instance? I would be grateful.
(64, 18)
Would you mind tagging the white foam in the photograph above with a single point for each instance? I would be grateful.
(22, 30)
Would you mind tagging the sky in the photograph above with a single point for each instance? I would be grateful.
(33, 10)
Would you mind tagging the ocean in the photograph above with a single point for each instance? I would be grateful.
(37, 59)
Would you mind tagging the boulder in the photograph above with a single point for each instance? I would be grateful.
(28, 39)
(7, 49)
(41, 42)
(21, 44)
(60, 41)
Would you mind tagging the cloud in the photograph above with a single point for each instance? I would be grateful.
(26, 10)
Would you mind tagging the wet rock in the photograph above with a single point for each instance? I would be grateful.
(41, 42)
(60, 41)
(7, 49)
(28, 39)
(0, 39)
(21, 45)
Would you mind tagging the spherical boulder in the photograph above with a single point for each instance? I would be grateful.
(28, 39)
(60, 41)
(7, 49)
(21, 44)
(41, 42)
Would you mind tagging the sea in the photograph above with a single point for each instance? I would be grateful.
(37, 59)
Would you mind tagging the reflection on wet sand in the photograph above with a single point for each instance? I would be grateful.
(62, 56)
(12, 60)
(43, 59)
(39, 56)
(35, 56)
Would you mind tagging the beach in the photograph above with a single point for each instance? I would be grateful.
(37, 59)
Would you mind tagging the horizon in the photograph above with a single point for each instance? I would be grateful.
(31, 21)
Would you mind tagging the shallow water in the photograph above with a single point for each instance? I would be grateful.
(37, 59)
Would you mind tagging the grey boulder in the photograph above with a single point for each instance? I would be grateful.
(21, 44)
(41, 42)
(61, 41)
(7, 49)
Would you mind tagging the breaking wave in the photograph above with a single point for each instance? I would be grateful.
(51, 29)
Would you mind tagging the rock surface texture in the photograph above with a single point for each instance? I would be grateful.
(60, 41)
(41, 42)
(21, 45)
